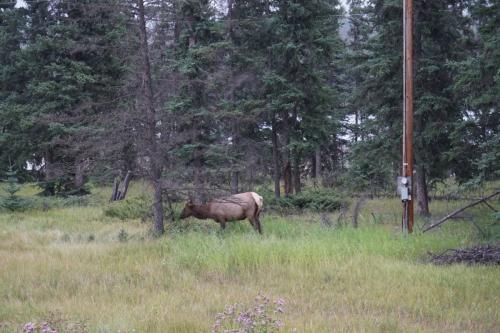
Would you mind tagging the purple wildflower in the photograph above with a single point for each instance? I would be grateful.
(29, 327)
(280, 301)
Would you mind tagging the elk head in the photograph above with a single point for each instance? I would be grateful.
(188, 210)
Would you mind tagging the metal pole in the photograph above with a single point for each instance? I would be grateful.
(408, 111)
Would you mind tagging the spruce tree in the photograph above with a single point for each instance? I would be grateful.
(12, 202)
(477, 87)
(73, 70)
(302, 89)
(13, 140)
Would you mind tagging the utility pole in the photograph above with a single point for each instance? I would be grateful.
(406, 182)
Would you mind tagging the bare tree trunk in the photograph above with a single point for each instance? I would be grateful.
(199, 195)
(313, 168)
(155, 166)
(422, 194)
(251, 179)
(287, 170)
(230, 16)
(296, 171)
(276, 174)
(114, 194)
(50, 174)
(317, 164)
(287, 177)
(80, 169)
(120, 188)
(158, 207)
(125, 184)
(235, 164)
(234, 182)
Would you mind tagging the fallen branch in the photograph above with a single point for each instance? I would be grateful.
(482, 254)
(447, 217)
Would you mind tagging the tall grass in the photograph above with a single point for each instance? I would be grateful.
(335, 279)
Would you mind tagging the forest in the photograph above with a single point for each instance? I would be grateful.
(300, 101)
(200, 95)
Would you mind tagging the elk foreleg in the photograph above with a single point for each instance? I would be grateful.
(222, 224)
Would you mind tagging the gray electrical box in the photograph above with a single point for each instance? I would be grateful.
(404, 188)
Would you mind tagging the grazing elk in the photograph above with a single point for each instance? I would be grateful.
(237, 207)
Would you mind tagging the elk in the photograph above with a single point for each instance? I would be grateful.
(237, 207)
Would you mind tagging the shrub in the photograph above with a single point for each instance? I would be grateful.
(46, 203)
(133, 208)
(122, 236)
(316, 201)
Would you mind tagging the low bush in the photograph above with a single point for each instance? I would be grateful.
(315, 200)
(132, 208)
(15, 203)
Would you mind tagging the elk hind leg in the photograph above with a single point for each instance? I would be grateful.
(256, 224)
(259, 227)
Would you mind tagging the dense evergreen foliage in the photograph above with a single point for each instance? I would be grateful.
(12, 202)
(226, 95)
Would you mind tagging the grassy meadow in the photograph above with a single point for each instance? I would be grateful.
(80, 265)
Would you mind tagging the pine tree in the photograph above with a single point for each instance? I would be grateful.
(73, 70)
(13, 141)
(477, 87)
(12, 202)
(197, 59)
(302, 93)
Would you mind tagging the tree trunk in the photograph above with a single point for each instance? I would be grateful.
(114, 194)
(79, 179)
(155, 166)
(235, 164)
(287, 177)
(50, 174)
(422, 194)
(177, 28)
(120, 188)
(158, 208)
(296, 171)
(276, 174)
(317, 164)
(124, 188)
(251, 179)
(199, 190)
(234, 182)
(313, 168)
(230, 16)
(287, 170)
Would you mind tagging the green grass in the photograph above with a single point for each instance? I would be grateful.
(70, 261)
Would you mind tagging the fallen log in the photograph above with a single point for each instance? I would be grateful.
(447, 217)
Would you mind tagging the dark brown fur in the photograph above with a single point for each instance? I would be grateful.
(237, 207)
